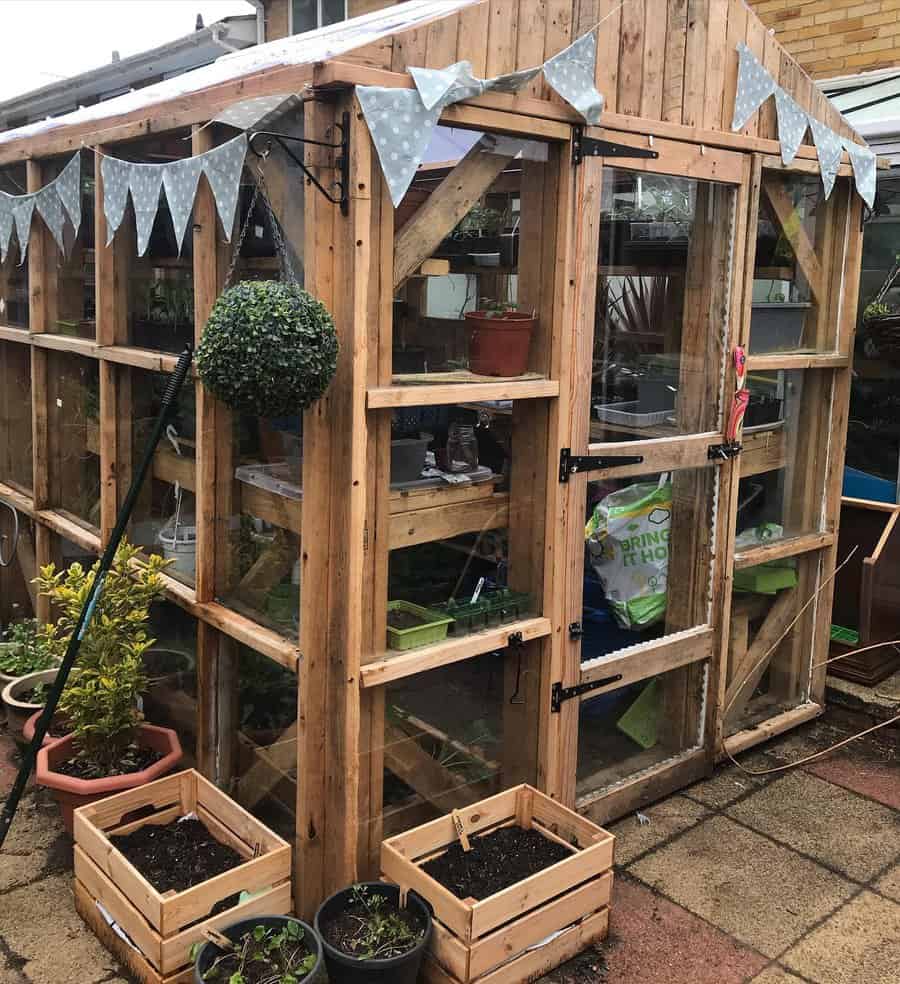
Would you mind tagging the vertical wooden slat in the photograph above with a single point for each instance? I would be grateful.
(656, 33)
(530, 41)
(441, 38)
(503, 36)
(473, 37)
(737, 31)
(695, 56)
(673, 68)
(772, 61)
(756, 42)
(631, 59)
(716, 57)
(37, 321)
(608, 33)
(558, 32)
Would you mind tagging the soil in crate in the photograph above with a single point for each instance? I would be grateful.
(178, 855)
(496, 861)
(135, 759)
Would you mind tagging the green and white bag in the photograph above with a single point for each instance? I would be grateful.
(628, 542)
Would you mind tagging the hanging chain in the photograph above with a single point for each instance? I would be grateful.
(288, 274)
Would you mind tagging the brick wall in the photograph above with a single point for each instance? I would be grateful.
(831, 37)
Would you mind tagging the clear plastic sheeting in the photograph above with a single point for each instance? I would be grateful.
(300, 49)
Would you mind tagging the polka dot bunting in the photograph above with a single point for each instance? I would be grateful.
(23, 210)
(222, 167)
(6, 223)
(180, 181)
(754, 86)
(828, 148)
(864, 169)
(51, 211)
(571, 74)
(791, 125)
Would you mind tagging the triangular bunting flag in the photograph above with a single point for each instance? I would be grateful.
(6, 224)
(571, 73)
(222, 167)
(144, 182)
(180, 181)
(68, 185)
(791, 125)
(115, 193)
(23, 210)
(864, 170)
(754, 86)
(51, 211)
(828, 147)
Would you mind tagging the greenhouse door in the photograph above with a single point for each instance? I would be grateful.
(647, 467)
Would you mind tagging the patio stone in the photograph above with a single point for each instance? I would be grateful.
(859, 944)
(889, 884)
(762, 893)
(671, 816)
(853, 835)
(874, 779)
(776, 975)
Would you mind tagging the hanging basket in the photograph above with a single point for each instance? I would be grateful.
(268, 348)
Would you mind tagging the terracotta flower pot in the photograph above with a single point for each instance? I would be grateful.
(498, 344)
(57, 724)
(71, 793)
(19, 711)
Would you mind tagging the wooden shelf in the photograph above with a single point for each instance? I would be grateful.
(763, 452)
(445, 389)
(396, 665)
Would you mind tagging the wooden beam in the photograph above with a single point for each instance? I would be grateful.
(447, 204)
(792, 229)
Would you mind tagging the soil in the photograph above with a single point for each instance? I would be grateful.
(34, 695)
(260, 973)
(399, 619)
(496, 861)
(342, 932)
(137, 760)
(177, 855)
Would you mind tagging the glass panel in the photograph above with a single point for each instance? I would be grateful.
(171, 665)
(259, 576)
(163, 521)
(453, 736)
(463, 312)
(74, 311)
(73, 392)
(15, 580)
(782, 468)
(767, 676)
(266, 753)
(663, 293)
(463, 543)
(623, 732)
(161, 282)
(15, 415)
(14, 269)
(793, 240)
(647, 558)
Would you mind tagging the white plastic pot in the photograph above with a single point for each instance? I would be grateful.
(181, 547)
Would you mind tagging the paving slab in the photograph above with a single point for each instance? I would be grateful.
(777, 975)
(661, 821)
(889, 884)
(727, 785)
(870, 777)
(36, 844)
(762, 893)
(850, 834)
(859, 944)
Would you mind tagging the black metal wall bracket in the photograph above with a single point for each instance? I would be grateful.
(559, 693)
(583, 146)
(341, 161)
(722, 452)
(570, 463)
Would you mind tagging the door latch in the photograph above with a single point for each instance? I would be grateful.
(722, 452)
(570, 464)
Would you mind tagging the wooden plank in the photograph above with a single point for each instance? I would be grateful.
(631, 59)
(649, 659)
(796, 360)
(444, 208)
(740, 741)
(398, 665)
(791, 546)
(503, 30)
(445, 394)
(446, 521)
(804, 251)
(717, 55)
(695, 56)
(656, 48)
(609, 14)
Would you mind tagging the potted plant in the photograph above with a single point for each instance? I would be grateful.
(410, 626)
(20, 654)
(367, 936)
(264, 950)
(109, 748)
(882, 319)
(499, 339)
(268, 348)
(24, 698)
(516, 880)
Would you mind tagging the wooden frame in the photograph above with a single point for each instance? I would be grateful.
(669, 84)
(164, 927)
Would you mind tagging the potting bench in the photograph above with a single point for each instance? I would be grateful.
(641, 245)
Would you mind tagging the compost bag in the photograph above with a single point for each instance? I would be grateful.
(628, 543)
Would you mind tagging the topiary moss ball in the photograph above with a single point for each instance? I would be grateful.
(268, 348)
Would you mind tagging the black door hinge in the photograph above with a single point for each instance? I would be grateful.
(576, 631)
(570, 463)
(583, 146)
(722, 452)
(559, 693)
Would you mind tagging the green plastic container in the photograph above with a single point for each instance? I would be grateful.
(433, 628)
(506, 605)
(467, 616)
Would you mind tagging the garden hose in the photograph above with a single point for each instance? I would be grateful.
(176, 380)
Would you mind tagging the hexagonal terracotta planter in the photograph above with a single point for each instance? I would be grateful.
(71, 793)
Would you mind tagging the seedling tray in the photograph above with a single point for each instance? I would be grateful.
(503, 939)
(163, 927)
(433, 628)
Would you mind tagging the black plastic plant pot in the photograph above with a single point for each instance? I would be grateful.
(210, 952)
(344, 969)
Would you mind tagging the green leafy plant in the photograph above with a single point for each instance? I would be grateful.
(874, 309)
(479, 221)
(263, 953)
(381, 932)
(22, 651)
(268, 348)
(101, 698)
(494, 308)
(168, 303)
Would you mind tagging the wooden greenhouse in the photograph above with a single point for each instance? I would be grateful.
(647, 248)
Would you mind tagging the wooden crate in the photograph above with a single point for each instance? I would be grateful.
(164, 927)
(490, 941)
